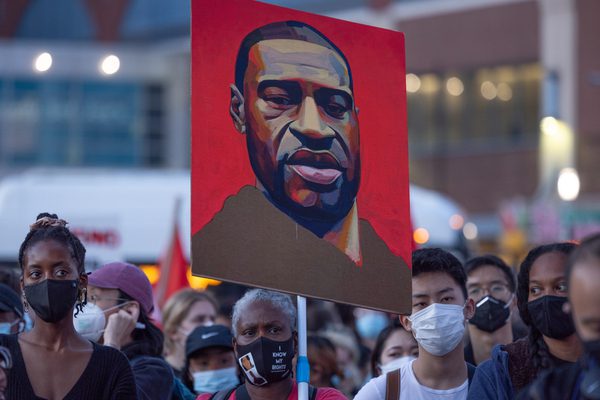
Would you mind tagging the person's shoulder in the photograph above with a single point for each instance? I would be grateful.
(247, 197)
(326, 393)
(499, 354)
(152, 375)
(373, 390)
(110, 359)
(209, 396)
(151, 362)
(555, 383)
(109, 355)
(489, 366)
(107, 351)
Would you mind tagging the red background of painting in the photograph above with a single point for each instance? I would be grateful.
(220, 165)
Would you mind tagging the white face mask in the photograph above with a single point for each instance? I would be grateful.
(439, 328)
(215, 380)
(90, 322)
(395, 364)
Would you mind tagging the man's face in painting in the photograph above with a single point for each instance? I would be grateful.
(302, 129)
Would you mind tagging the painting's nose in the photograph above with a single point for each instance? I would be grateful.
(309, 122)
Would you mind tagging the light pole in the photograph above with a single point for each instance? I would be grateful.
(568, 186)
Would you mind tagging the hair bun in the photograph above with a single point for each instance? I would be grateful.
(47, 220)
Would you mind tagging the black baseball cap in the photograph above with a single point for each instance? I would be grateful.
(208, 336)
(10, 300)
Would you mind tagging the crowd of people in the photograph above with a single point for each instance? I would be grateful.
(476, 331)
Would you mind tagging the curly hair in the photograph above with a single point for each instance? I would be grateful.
(538, 349)
(281, 301)
(49, 227)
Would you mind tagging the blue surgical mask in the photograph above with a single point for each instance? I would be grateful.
(215, 380)
(6, 327)
(370, 324)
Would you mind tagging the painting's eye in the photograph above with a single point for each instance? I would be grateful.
(337, 106)
(277, 97)
(278, 100)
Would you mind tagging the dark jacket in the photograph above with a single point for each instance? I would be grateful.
(153, 378)
(508, 370)
(568, 381)
(555, 384)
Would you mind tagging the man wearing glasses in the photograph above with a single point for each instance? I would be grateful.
(491, 284)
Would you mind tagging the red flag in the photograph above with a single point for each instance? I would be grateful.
(173, 270)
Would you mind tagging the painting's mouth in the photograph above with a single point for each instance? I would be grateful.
(316, 167)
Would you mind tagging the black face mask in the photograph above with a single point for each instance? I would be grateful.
(266, 361)
(548, 316)
(52, 299)
(490, 314)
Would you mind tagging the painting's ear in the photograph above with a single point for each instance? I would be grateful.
(236, 109)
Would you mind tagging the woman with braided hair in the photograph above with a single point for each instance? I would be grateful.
(52, 361)
(551, 342)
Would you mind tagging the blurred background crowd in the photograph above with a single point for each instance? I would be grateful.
(501, 99)
(503, 132)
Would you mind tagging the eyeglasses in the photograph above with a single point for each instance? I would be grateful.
(497, 290)
(5, 358)
(94, 299)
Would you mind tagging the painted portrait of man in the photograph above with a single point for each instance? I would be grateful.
(297, 227)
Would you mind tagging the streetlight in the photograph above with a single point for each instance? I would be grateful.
(557, 148)
(42, 62)
(110, 65)
(568, 184)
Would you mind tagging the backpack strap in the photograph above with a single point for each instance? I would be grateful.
(470, 372)
(392, 385)
(312, 392)
(222, 394)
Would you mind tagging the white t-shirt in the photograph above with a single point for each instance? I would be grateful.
(410, 388)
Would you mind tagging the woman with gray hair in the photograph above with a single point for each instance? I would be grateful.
(265, 341)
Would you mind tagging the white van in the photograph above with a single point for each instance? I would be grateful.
(129, 214)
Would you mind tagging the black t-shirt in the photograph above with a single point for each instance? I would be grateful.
(107, 376)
